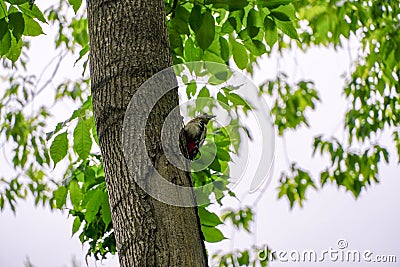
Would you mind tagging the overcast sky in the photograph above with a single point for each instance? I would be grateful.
(368, 223)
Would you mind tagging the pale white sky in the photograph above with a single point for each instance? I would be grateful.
(368, 223)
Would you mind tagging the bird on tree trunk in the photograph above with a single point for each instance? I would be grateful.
(195, 133)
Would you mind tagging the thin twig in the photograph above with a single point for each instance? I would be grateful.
(61, 57)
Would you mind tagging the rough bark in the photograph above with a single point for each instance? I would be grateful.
(128, 44)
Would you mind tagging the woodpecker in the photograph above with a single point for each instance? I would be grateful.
(195, 132)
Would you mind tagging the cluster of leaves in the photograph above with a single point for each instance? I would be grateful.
(241, 219)
(243, 30)
(31, 154)
(84, 182)
(88, 196)
(83, 133)
(290, 102)
(353, 170)
(295, 184)
(288, 111)
(216, 30)
(209, 221)
(22, 122)
(217, 171)
(212, 181)
(23, 128)
(72, 32)
(374, 98)
(210, 169)
(372, 91)
(253, 256)
(18, 18)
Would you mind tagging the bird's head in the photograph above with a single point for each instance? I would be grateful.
(205, 117)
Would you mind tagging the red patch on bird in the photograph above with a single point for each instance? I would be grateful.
(190, 146)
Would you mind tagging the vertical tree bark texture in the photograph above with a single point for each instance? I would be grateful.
(128, 44)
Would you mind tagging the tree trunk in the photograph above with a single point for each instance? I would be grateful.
(128, 44)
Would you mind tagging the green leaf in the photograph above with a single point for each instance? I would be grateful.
(253, 18)
(59, 148)
(17, 2)
(33, 12)
(15, 49)
(59, 126)
(273, 3)
(234, 23)
(244, 258)
(288, 11)
(227, 27)
(75, 194)
(5, 43)
(255, 47)
(16, 24)
(202, 98)
(212, 56)
(224, 49)
(204, 93)
(195, 18)
(60, 196)
(182, 12)
(244, 35)
(212, 234)
(76, 4)
(3, 28)
(208, 218)
(12, 9)
(76, 225)
(237, 4)
(239, 54)
(223, 155)
(191, 52)
(105, 210)
(3, 10)
(287, 28)
(216, 166)
(83, 52)
(253, 31)
(82, 139)
(32, 28)
(93, 206)
(81, 111)
(280, 16)
(223, 99)
(205, 34)
(180, 25)
(191, 89)
(271, 33)
(237, 100)
(217, 3)
(175, 40)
